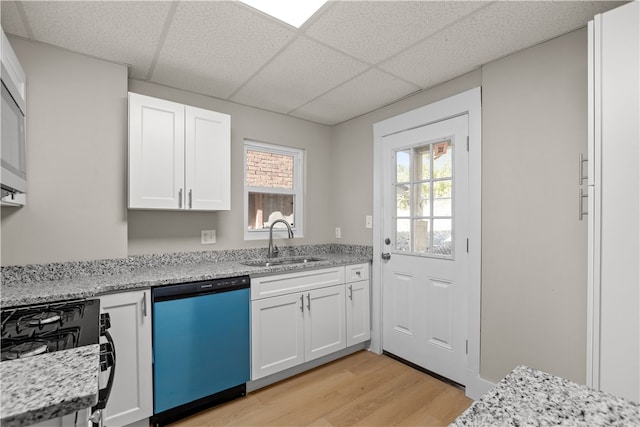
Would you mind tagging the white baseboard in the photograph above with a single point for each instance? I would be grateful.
(476, 387)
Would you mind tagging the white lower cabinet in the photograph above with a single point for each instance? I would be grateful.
(358, 312)
(277, 334)
(310, 315)
(324, 323)
(131, 397)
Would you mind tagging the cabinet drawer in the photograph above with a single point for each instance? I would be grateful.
(282, 284)
(357, 272)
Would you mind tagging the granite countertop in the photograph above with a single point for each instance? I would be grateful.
(51, 385)
(528, 397)
(18, 293)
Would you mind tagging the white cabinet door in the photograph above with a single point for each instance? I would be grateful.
(131, 397)
(156, 153)
(277, 334)
(207, 154)
(358, 312)
(324, 321)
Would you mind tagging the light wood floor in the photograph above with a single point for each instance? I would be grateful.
(362, 389)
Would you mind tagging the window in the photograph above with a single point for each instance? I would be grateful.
(424, 191)
(272, 189)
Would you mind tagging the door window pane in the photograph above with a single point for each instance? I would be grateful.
(442, 202)
(422, 235)
(423, 199)
(403, 235)
(403, 201)
(442, 159)
(442, 237)
(403, 170)
(423, 163)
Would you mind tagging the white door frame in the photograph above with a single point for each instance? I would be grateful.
(468, 102)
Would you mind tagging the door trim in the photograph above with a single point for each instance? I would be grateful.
(469, 103)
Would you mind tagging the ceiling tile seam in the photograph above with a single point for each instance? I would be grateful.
(25, 20)
(396, 76)
(222, 110)
(163, 37)
(328, 91)
(263, 66)
(422, 40)
(335, 49)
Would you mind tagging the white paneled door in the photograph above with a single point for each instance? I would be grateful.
(425, 250)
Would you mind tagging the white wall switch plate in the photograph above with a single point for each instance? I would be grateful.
(338, 233)
(207, 237)
(368, 221)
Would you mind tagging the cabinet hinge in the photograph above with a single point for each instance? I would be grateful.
(467, 143)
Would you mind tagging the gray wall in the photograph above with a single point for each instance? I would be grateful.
(76, 154)
(534, 252)
(534, 248)
(155, 232)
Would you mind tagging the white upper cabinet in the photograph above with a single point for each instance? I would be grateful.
(179, 156)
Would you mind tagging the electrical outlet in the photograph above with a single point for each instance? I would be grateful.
(368, 221)
(207, 237)
(338, 233)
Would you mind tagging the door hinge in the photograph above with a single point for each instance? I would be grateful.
(466, 347)
(467, 245)
(467, 143)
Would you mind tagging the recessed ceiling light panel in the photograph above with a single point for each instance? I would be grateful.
(293, 12)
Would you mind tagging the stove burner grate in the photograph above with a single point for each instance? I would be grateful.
(26, 349)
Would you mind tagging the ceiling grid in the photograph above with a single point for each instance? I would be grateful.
(350, 58)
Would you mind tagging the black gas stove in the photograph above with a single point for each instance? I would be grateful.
(38, 329)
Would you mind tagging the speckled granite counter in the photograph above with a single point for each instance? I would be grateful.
(36, 284)
(528, 397)
(26, 399)
(48, 386)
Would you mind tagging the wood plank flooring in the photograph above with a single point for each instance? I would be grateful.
(363, 389)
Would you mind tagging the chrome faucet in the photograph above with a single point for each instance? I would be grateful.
(273, 250)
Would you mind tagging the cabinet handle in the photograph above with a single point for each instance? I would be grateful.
(581, 211)
(144, 304)
(180, 198)
(351, 292)
(309, 302)
(581, 175)
(190, 198)
(302, 303)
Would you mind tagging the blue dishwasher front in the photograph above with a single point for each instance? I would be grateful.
(201, 346)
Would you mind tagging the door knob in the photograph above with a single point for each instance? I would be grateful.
(386, 256)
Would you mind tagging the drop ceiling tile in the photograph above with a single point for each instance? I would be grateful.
(366, 92)
(495, 31)
(214, 47)
(125, 32)
(11, 20)
(303, 71)
(375, 30)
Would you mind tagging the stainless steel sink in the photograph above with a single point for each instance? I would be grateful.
(280, 261)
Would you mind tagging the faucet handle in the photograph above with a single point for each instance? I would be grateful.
(275, 251)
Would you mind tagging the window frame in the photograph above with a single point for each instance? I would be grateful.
(297, 191)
